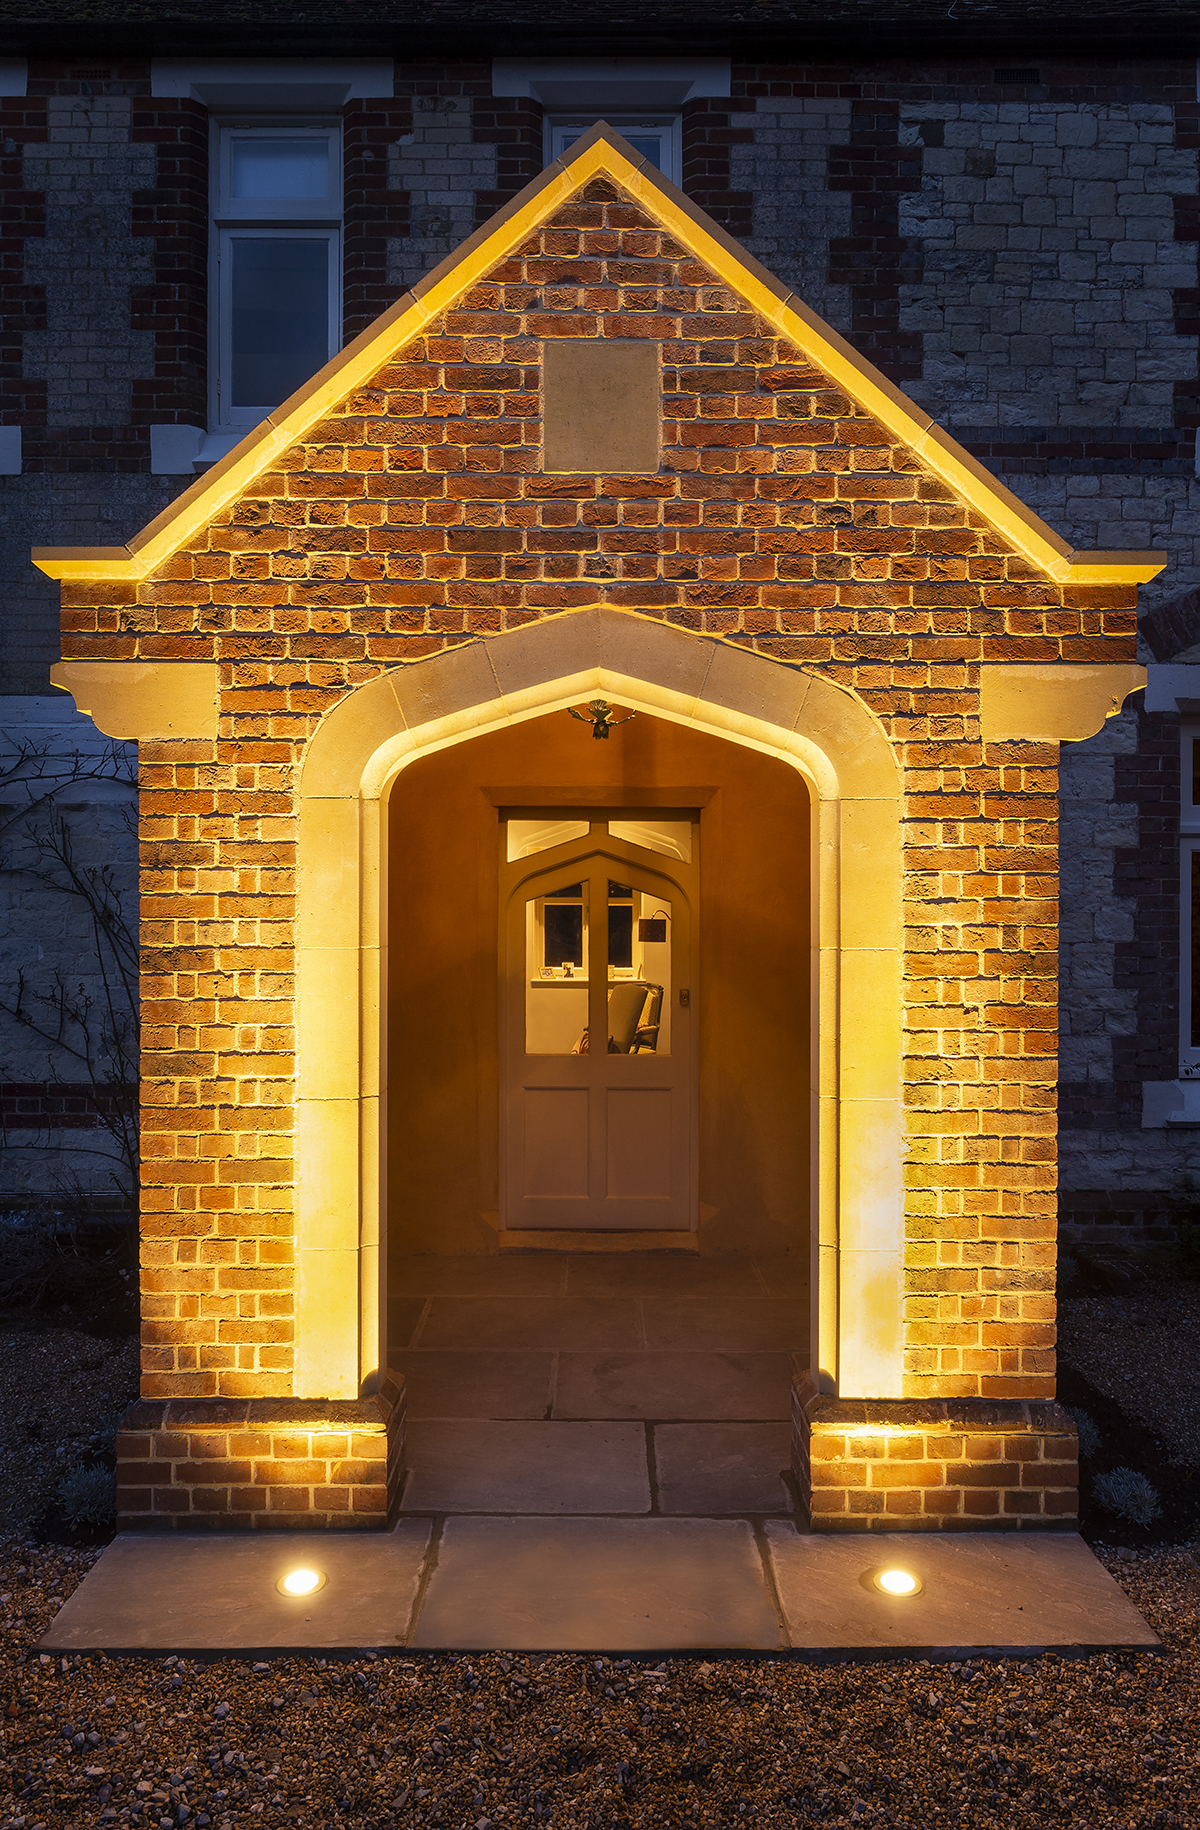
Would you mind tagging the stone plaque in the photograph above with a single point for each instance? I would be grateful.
(603, 406)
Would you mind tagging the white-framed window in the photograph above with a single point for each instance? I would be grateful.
(658, 137)
(276, 266)
(642, 97)
(1189, 898)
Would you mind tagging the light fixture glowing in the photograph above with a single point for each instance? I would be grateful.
(301, 1582)
(898, 1582)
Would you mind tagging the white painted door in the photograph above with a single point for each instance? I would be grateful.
(597, 1048)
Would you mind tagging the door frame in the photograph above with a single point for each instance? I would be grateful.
(684, 882)
(358, 750)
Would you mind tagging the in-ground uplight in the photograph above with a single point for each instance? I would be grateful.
(897, 1582)
(301, 1582)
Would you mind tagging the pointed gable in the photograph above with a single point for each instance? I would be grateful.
(401, 498)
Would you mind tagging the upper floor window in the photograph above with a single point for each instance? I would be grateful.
(276, 267)
(656, 136)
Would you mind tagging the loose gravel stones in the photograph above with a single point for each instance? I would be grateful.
(590, 1743)
(1130, 1348)
(60, 1392)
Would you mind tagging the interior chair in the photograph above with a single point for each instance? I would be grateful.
(633, 1014)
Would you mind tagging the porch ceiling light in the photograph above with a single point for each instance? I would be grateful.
(301, 1582)
(897, 1582)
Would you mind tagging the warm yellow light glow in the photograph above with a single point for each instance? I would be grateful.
(898, 1582)
(300, 1582)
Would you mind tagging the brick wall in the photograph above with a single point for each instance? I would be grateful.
(376, 212)
(262, 1464)
(961, 1465)
(783, 519)
(172, 214)
(1121, 979)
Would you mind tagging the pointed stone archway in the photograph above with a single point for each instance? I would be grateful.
(356, 755)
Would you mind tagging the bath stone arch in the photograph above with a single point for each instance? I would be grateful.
(355, 755)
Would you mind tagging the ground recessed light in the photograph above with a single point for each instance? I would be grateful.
(897, 1582)
(301, 1582)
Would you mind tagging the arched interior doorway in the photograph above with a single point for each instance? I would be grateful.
(452, 886)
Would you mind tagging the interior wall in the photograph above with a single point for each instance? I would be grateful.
(753, 1001)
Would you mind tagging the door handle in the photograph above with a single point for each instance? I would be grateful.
(685, 998)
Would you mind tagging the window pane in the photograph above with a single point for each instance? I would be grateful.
(649, 148)
(564, 934)
(673, 838)
(649, 145)
(280, 317)
(620, 934)
(279, 168)
(528, 837)
(1196, 949)
(1196, 771)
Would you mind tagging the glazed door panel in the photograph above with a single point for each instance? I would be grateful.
(598, 1115)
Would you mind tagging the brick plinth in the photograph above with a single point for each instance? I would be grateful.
(948, 1464)
(265, 1463)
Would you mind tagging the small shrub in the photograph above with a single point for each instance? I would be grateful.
(1127, 1494)
(1089, 1435)
(88, 1496)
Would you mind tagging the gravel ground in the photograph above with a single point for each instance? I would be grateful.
(1142, 1351)
(60, 1393)
(497, 1741)
(579, 1743)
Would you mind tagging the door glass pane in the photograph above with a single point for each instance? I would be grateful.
(620, 928)
(670, 838)
(639, 994)
(279, 316)
(556, 959)
(263, 168)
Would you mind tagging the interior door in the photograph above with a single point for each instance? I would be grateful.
(597, 1050)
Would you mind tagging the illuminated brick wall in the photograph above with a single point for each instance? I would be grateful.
(783, 519)
(933, 1464)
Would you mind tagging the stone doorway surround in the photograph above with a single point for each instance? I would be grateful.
(818, 728)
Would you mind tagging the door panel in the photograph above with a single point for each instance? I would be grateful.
(556, 1143)
(639, 1143)
(598, 1069)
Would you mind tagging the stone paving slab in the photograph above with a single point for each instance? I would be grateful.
(215, 1592)
(983, 1591)
(732, 1468)
(675, 1386)
(598, 1584)
(568, 1585)
(501, 1466)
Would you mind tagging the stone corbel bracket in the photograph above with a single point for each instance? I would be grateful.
(1052, 703)
(143, 700)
